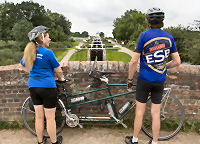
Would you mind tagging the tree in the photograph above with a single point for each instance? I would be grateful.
(84, 34)
(10, 14)
(7, 20)
(197, 24)
(76, 34)
(187, 43)
(101, 34)
(21, 29)
(57, 34)
(129, 26)
(33, 12)
(60, 27)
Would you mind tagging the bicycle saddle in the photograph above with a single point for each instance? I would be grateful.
(105, 72)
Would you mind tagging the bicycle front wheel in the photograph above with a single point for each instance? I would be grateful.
(28, 116)
(171, 118)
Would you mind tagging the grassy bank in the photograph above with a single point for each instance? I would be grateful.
(79, 56)
(60, 54)
(189, 125)
(112, 55)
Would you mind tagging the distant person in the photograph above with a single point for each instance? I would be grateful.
(153, 48)
(42, 63)
(123, 43)
(116, 41)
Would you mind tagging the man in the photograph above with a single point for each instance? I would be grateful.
(153, 48)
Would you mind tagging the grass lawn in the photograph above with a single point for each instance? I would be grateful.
(112, 55)
(79, 56)
(60, 54)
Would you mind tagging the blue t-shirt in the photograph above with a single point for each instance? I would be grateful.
(42, 73)
(155, 46)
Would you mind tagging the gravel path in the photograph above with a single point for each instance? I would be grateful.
(92, 136)
(69, 54)
(123, 49)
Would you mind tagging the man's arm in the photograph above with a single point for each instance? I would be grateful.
(133, 66)
(176, 61)
(59, 73)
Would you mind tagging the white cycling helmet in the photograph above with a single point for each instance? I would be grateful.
(34, 33)
(155, 15)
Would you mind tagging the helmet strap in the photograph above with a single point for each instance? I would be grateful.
(42, 37)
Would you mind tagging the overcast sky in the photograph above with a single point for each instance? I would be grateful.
(98, 15)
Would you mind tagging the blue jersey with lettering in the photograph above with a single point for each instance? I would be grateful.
(155, 45)
(42, 73)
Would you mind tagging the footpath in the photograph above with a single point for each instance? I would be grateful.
(123, 49)
(69, 54)
(93, 136)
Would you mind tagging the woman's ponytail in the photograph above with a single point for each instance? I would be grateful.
(30, 54)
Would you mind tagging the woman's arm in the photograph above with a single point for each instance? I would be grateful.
(21, 67)
(59, 73)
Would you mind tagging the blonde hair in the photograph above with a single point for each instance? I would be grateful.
(30, 51)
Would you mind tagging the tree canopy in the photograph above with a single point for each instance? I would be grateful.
(129, 26)
(34, 13)
(78, 34)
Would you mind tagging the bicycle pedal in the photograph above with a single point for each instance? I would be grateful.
(44, 140)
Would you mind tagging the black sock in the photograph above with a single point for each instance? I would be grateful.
(54, 143)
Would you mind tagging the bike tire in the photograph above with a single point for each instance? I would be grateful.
(28, 116)
(173, 111)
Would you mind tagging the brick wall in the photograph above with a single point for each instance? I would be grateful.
(13, 87)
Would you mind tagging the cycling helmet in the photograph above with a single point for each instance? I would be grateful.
(34, 33)
(155, 15)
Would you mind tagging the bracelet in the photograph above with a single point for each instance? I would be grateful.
(130, 79)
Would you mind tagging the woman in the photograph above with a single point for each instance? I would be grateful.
(42, 63)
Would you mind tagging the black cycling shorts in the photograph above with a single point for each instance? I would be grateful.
(44, 96)
(144, 88)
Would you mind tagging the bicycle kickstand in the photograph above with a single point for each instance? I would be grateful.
(118, 121)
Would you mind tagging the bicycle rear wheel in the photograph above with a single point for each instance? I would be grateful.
(171, 118)
(28, 116)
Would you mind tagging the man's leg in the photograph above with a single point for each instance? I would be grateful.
(39, 121)
(139, 112)
(155, 112)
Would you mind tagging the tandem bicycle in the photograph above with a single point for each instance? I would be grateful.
(171, 109)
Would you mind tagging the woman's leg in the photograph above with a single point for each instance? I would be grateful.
(39, 121)
(51, 123)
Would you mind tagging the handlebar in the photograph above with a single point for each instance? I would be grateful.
(62, 82)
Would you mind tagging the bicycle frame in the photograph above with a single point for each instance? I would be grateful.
(111, 97)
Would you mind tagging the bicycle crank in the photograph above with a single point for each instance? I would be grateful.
(118, 121)
(73, 121)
